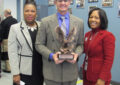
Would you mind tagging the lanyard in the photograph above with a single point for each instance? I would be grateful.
(90, 40)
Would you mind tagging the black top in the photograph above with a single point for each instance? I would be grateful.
(33, 35)
(37, 73)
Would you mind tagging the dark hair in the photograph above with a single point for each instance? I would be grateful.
(103, 18)
(30, 2)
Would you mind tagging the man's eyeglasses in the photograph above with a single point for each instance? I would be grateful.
(62, 0)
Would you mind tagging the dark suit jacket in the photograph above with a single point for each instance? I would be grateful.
(6, 24)
(100, 53)
(0, 34)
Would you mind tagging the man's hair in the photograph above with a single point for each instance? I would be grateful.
(8, 11)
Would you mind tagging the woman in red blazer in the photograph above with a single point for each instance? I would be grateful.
(99, 46)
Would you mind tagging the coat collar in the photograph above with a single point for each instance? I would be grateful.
(23, 24)
(54, 24)
(26, 34)
(93, 44)
(54, 20)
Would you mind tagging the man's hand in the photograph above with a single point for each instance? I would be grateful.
(16, 79)
(100, 82)
(55, 58)
(74, 59)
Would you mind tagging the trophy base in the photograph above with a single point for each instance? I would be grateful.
(65, 56)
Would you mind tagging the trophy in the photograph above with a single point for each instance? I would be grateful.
(68, 43)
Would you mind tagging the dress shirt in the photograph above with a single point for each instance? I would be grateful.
(67, 21)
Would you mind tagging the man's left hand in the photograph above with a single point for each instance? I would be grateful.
(75, 56)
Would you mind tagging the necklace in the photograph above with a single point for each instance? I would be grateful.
(32, 28)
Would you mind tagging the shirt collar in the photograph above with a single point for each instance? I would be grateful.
(66, 15)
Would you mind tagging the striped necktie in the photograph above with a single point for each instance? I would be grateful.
(63, 25)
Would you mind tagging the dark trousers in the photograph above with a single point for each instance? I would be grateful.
(0, 60)
(29, 80)
(4, 56)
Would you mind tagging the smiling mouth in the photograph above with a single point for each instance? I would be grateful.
(29, 17)
(93, 23)
(62, 6)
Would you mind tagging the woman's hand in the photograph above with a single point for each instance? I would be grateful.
(16, 79)
(100, 82)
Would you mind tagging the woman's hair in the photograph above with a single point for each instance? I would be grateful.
(30, 2)
(103, 18)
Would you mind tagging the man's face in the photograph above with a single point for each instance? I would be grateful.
(62, 6)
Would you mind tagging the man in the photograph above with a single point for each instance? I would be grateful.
(59, 72)
(5, 24)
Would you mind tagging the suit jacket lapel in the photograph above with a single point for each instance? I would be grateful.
(96, 40)
(26, 35)
(71, 24)
(53, 26)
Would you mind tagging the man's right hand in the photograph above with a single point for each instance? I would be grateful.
(55, 58)
(16, 79)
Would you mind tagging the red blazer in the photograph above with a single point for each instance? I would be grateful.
(100, 55)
